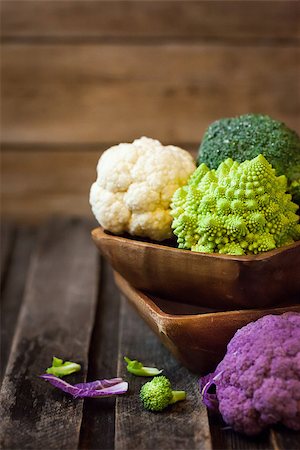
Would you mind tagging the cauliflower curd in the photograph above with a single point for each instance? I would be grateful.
(135, 185)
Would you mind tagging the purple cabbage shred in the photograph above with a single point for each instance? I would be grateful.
(98, 388)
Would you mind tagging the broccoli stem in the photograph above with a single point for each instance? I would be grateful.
(137, 368)
(177, 396)
(151, 371)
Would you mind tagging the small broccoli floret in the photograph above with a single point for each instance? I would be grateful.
(245, 137)
(137, 368)
(257, 384)
(238, 209)
(157, 394)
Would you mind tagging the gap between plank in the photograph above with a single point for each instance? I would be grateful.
(182, 426)
(60, 301)
(12, 293)
(147, 41)
(98, 424)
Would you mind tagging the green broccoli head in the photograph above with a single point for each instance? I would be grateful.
(238, 209)
(157, 394)
(245, 137)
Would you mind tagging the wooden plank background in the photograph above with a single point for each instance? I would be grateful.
(219, 19)
(79, 76)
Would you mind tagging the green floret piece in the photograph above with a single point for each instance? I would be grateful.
(232, 249)
(235, 226)
(223, 206)
(238, 209)
(208, 248)
(60, 368)
(178, 201)
(295, 234)
(137, 368)
(157, 394)
(294, 189)
(245, 137)
(185, 227)
(198, 175)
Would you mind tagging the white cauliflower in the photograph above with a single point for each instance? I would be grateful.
(135, 185)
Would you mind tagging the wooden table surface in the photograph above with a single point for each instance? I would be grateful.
(58, 298)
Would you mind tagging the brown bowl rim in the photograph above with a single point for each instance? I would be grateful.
(100, 233)
(126, 287)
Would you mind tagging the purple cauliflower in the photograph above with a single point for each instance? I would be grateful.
(257, 384)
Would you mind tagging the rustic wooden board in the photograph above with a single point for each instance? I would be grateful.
(284, 439)
(56, 319)
(137, 428)
(159, 19)
(35, 184)
(12, 294)
(98, 426)
(224, 438)
(7, 235)
(113, 93)
(62, 287)
(38, 183)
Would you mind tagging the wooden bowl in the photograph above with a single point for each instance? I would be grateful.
(211, 280)
(196, 336)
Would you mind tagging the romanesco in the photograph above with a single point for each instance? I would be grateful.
(238, 209)
(245, 137)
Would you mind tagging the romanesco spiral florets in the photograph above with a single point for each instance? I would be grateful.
(238, 209)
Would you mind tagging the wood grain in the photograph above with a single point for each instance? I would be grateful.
(114, 93)
(56, 319)
(221, 282)
(197, 340)
(42, 182)
(223, 437)
(36, 184)
(284, 439)
(98, 425)
(59, 302)
(7, 235)
(170, 428)
(145, 20)
(12, 293)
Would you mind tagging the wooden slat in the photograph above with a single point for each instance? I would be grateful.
(56, 319)
(223, 438)
(7, 231)
(159, 19)
(35, 184)
(38, 183)
(115, 93)
(185, 425)
(284, 439)
(11, 297)
(98, 426)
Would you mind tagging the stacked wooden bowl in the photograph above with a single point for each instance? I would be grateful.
(196, 301)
